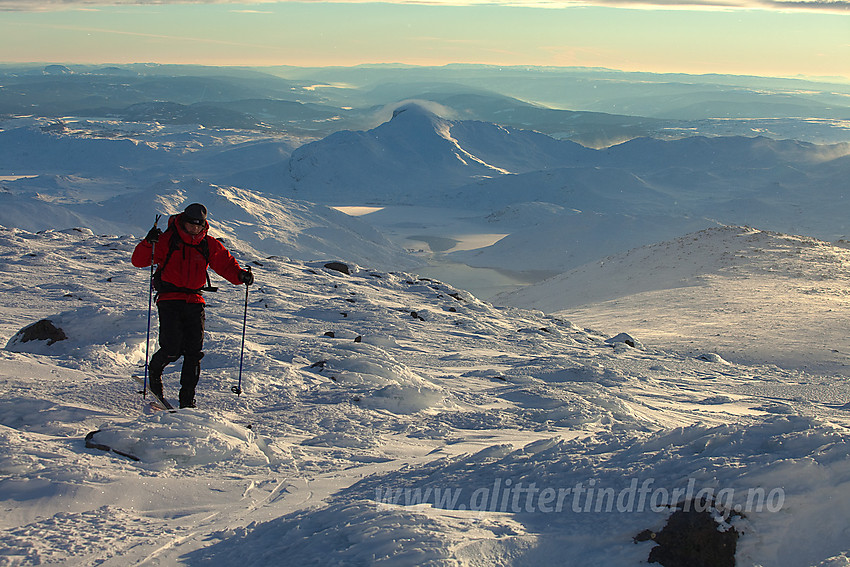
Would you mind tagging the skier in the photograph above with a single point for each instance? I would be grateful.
(182, 254)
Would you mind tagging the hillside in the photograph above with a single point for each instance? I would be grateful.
(416, 157)
(274, 225)
(754, 296)
(386, 418)
(599, 202)
(595, 107)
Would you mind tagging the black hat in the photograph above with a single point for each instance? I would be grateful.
(195, 213)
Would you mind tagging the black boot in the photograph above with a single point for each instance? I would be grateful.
(157, 365)
(189, 376)
(155, 386)
(187, 398)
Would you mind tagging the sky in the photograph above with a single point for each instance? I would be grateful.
(758, 37)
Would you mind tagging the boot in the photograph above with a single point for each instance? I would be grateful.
(189, 376)
(187, 397)
(155, 386)
(157, 365)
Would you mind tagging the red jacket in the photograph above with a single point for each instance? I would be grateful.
(187, 266)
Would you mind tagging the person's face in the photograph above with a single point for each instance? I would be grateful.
(193, 229)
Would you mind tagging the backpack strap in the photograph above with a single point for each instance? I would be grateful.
(174, 243)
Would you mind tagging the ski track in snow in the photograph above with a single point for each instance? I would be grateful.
(422, 387)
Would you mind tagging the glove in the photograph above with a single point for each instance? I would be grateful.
(246, 277)
(153, 235)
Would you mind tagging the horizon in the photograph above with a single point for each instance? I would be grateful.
(684, 39)
(402, 65)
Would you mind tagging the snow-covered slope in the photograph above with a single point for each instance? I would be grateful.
(636, 193)
(271, 225)
(418, 157)
(572, 238)
(392, 419)
(755, 296)
(27, 148)
(386, 419)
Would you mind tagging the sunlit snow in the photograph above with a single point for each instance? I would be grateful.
(671, 332)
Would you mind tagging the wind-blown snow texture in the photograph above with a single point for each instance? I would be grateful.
(762, 296)
(389, 418)
(393, 420)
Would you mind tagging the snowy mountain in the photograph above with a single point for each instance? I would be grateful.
(45, 151)
(647, 191)
(595, 107)
(609, 201)
(391, 419)
(719, 285)
(272, 225)
(70, 178)
(132, 152)
(417, 157)
(387, 417)
(600, 202)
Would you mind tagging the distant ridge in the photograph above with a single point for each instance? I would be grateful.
(416, 157)
(758, 296)
(731, 252)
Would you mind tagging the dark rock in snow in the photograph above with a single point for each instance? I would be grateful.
(692, 538)
(339, 267)
(43, 330)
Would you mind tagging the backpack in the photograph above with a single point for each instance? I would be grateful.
(175, 242)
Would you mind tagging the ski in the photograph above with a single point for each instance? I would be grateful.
(92, 444)
(158, 404)
(154, 407)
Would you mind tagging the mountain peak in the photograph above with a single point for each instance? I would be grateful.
(418, 118)
(420, 108)
(407, 107)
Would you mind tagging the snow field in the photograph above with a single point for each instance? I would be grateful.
(431, 428)
(755, 296)
(388, 418)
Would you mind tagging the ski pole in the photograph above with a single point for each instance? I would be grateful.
(238, 388)
(150, 308)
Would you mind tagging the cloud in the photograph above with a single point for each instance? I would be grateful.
(837, 6)
(842, 6)
(147, 35)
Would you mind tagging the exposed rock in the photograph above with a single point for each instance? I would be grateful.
(693, 538)
(43, 330)
(339, 267)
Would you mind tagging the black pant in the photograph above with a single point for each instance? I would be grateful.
(181, 333)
